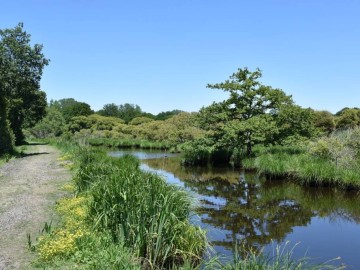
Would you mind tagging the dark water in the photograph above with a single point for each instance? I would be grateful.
(323, 223)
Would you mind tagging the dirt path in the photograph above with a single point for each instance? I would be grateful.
(29, 187)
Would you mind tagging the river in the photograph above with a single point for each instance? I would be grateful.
(240, 208)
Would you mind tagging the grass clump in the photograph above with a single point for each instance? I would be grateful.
(141, 210)
(329, 161)
(281, 258)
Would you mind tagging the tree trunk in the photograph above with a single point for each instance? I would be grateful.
(249, 148)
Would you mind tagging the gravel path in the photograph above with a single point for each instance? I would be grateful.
(29, 187)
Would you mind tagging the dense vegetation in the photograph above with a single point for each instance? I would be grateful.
(22, 103)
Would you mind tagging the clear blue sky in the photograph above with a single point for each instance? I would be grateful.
(161, 54)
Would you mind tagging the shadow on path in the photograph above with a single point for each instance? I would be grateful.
(23, 155)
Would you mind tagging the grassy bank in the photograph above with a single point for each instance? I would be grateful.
(299, 164)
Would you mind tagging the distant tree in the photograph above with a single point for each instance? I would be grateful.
(324, 121)
(70, 108)
(140, 120)
(348, 118)
(345, 109)
(148, 115)
(167, 114)
(110, 110)
(22, 102)
(127, 111)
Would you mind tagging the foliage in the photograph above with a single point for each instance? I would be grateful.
(293, 124)
(22, 102)
(141, 132)
(53, 124)
(94, 122)
(110, 109)
(70, 108)
(127, 111)
(248, 103)
(324, 121)
(140, 120)
(254, 114)
(341, 147)
(167, 114)
(348, 118)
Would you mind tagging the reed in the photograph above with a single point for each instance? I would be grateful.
(304, 168)
(139, 209)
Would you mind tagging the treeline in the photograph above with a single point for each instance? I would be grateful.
(253, 115)
(22, 103)
(123, 125)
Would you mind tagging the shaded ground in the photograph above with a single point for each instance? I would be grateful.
(29, 187)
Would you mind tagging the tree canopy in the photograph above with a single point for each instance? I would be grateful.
(22, 102)
(70, 108)
(246, 111)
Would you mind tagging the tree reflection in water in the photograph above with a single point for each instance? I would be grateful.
(253, 210)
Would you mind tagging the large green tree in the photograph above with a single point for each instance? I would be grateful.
(22, 103)
(247, 108)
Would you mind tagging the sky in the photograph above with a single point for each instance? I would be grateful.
(161, 54)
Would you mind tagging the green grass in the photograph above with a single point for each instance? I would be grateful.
(281, 258)
(304, 168)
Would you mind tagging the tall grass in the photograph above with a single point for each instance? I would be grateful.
(303, 167)
(281, 258)
(138, 209)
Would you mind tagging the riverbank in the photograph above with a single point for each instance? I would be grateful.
(303, 167)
